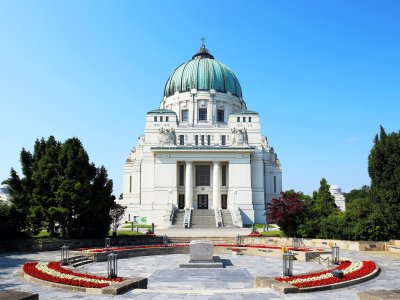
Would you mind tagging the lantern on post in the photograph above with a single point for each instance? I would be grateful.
(165, 240)
(107, 242)
(288, 264)
(335, 254)
(112, 265)
(238, 240)
(64, 255)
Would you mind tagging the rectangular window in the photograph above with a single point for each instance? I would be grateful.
(223, 140)
(161, 119)
(155, 119)
(275, 184)
(181, 175)
(203, 175)
(238, 119)
(166, 119)
(130, 184)
(196, 139)
(220, 115)
(202, 114)
(181, 139)
(202, 140)
(249, 119)
(208, 140)
(223, 175)
(244, 119)
(185, 115)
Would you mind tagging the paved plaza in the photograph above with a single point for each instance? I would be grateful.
(167, 281)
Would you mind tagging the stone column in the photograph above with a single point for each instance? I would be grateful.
(216, 185)
(189, 185)
(209, 112)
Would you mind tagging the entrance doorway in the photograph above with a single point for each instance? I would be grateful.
(181, 201)
(202, 201)
(224, 201)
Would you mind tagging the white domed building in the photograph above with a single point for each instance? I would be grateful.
(5, 194)
(340, 200)
(202, 160)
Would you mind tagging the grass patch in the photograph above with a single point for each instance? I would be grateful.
(140, 226)
(44, 235)
(259, 226)
(275, 233)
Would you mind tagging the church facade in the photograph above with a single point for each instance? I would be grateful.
(202, 149)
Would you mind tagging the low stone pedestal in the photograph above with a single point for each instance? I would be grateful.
(14, 295)
(379, 295)
(201, 256)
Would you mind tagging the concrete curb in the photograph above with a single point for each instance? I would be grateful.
(285, 288)
(116, 289)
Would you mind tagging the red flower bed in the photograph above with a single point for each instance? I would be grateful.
(326, 278)
(74, 278)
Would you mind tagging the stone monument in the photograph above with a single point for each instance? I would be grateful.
(201, 256)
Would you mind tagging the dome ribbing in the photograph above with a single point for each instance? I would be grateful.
(203, 72)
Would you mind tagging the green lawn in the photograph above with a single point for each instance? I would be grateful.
(125, 233)
(259, 226)
(140, 226)
(275, 233)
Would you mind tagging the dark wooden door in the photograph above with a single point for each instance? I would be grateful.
(181, 202)
(202, 201)
(224, 201)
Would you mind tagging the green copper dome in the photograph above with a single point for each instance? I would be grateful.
(203, 72)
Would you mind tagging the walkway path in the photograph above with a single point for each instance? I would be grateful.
(243, 269)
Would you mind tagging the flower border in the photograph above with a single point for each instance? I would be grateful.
(55, 273)
(351, 270)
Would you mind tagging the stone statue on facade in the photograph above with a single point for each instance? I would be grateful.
(239, 137)
(166, 137)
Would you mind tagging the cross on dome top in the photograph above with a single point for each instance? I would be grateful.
(203, 51)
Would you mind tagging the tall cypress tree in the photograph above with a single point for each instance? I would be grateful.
(384, 170)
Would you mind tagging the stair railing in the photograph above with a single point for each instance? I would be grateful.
(218, 218)
(169, 214)
(187, 222)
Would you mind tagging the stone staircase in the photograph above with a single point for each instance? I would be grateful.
(77, 261)
(227, 218)
(178, 220)
(203, 218)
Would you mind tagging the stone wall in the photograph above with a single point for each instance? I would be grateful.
(315, 243)
(49, 245)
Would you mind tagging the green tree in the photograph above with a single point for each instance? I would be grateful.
(116, 213)
(384, 170)
(61, 188)
(321, 205)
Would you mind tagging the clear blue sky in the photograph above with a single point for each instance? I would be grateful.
(322, 74)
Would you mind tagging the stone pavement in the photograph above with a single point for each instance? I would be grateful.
(241, 269)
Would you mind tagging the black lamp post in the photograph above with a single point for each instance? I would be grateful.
(112, 265)
(238, 240)
(165, 240)
(64, 255)
(107, 242)
(288, 264)
(335, 254)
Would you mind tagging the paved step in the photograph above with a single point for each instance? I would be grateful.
(203, 218)
(227, 219)
(77, 261)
